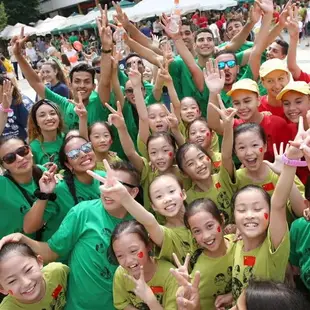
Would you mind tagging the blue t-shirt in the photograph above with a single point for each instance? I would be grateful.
(60, 89)
(146, 31)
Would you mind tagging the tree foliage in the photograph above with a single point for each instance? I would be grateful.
(22, 11)
(3, 17)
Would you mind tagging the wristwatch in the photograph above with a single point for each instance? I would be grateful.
(105, 51)
(293, 162)
(45, 196)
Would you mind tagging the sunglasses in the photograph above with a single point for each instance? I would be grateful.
(11, 157)
(130, 90)
(128, 185)
(75, 153)
(230, 64)
(129, 64)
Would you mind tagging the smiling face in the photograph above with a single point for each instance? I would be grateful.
(275, 50)
(230, 73)
(196, 164)
(48, 73)
(199, 133)
(206, 230)
(189, 109)
(82, 82)
(251, 211)
(157, 117)
(250, 149)
(233, 29)
(204, 44)
(161, 153)
(100, 138)
(275, 81)
(22, 164)
(21, 276)
(47, 118)
(167, 196)
(187, 36)
(84, 161)
(131, 253)
(246, 102)
(295, 104)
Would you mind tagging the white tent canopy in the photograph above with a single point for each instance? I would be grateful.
(49, 24)
(15, 30)
(4, 33)
(147, 8)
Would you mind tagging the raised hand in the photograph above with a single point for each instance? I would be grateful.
(116, 117)
(165, 22)
(47, 183)
(277, 165)
(116, 57)
(214, 78)
(227, 115)
(79, 107)
(18, 42)
(7, 94)
(255, 14)
(135, 76)
(292, 22)
(283, 18)
(105, 32)
(182, 269)
(121, 17)
(265, 5)
(171, 119)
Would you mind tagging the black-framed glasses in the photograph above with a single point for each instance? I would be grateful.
(75, 153)
(128, 185)
(11, 157)
(230, 64)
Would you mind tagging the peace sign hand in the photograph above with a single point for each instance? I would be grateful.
(116, 117)
(171, 119)
(182, 269)
(121, 17)
(214, 78)
(18, 42)
(79, 108)
(105, 32)
(135, 76)
(142, 290)
(227, 115)
(47, 183)
(7, 94)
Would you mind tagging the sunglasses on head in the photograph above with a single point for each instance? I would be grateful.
(230, 64)
(11, 157)
(75, 153)
(129, 64)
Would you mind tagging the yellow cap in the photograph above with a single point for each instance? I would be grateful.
(244, 84)
(272, 65)
(300, 87)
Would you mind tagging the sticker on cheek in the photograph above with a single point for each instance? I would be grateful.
(208, 134)
(266, 215)
(170, 154)
(219, 229)
(110, 141)
(261, 149)
(140, 255)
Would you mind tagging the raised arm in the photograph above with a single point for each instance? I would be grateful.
(81, 112)
(7, 97)
(115, 81)
(105, 34)
(278, 222)
(31, 76)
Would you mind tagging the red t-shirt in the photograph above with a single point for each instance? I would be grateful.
(195, 19)
(265, 106)
(276, 130)
(202, 22)
(304, 77)
(302, 172)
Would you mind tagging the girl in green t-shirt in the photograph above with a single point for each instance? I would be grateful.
(25, 281)
(264, 249)
(45, 131)
(140, 281)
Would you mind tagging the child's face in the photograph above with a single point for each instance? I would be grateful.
(275, 81)
(206, 230)
(196, 164)
(157, 118)
(131, 253)
(100, 138)
(246, 102)
(189, 110)
(250, 149)
(200, 134)
(167, 196)
(161, 153)
(251, 213)
(295, 104)
(21, 277)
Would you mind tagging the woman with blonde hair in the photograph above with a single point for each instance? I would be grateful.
(31, 54)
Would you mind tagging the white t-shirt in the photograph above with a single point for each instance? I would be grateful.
(10, 51)
(32, 54)
(157, 27)
(308, 15)
(300, 25)
(215, 30)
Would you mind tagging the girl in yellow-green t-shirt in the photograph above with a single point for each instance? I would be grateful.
(250, 145)
(140, 281)
(264, 249)
(27, 283)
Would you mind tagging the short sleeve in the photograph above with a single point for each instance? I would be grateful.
(119, 290)
(65, 238)
(59, 100)
(142, 147)
(145, 171)
(170, 293)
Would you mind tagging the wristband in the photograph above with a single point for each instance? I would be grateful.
(5, 110)
(293, 162)
(105, 51)
(45, 196)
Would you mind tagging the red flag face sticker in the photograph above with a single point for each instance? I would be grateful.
(261, 149)
(219, 229)
(266, 216)
(249, 260)
(170, 154)
(140, 254)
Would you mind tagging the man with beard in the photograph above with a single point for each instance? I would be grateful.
(277, 49)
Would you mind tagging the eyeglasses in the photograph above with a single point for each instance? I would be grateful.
(75, 153)
(98, 70)
(129, 91)
(129, 64)
(128, 185)
(230, 64)
(11, 157)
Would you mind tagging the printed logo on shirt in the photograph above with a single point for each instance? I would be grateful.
(103, 272)
(224, 281)
(23, 209)
(59, 299)
(136, 301)
(225, 204)
(237, 285)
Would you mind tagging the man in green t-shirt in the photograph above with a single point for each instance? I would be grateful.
(73, 38)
